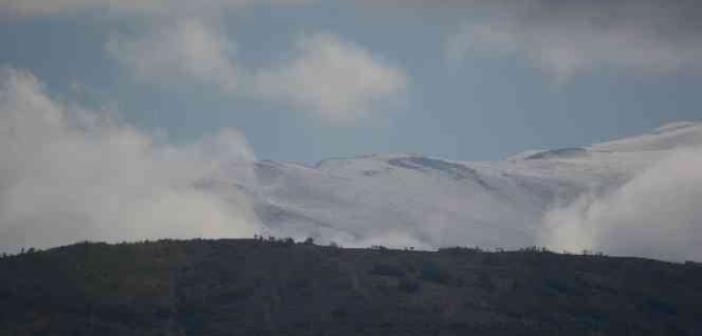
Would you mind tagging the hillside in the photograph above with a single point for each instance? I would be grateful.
(256, 287)
(410, 200)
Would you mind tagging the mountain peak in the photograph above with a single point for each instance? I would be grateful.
(669, 136)
(678, 125)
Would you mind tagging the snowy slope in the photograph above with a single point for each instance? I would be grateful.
(406, 200)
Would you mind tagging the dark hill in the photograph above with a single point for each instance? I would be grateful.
(251, 287)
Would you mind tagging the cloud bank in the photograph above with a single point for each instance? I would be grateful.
(339, 81)
(657, 214)
(69, 175)
(569, 37)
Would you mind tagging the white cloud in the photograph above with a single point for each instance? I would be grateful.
(182, 51)
(657, 214)
(70, 175)
(338, 80)
(570, 37)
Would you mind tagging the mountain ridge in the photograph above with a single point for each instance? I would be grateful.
(428, 202)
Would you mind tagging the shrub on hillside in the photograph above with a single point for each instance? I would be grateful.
(408, 285)
(387, 270)
(433, 273)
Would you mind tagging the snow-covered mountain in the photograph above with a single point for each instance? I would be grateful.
(409, 200)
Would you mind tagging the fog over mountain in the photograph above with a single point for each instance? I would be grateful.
(71, 174)
(634, 196)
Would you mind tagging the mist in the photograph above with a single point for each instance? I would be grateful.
(656, 214)
(71, 174)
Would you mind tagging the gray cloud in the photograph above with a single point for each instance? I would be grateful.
(571, 36)
(69, 174)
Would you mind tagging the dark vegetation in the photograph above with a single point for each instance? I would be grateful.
(279, 287)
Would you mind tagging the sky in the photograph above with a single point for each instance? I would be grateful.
(306, 80)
